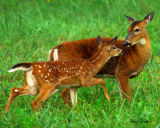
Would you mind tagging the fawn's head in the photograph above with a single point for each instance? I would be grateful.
(109, 48)
(137, 30)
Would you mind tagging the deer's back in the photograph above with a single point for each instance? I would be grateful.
(62, 72)
(85, 48)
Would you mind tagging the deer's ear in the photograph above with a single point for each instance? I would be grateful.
(130, 19)
(99, 40)
(113, 40)
(149, 17)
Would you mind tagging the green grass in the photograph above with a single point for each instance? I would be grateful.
(29, 29)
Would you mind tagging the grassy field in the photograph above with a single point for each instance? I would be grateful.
(29, 29)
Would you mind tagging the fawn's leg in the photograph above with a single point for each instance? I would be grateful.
(25, 90)
(124, 87)
(55, 91)
(42, 96)
(95, 81)
(65, 94)
(73, 94)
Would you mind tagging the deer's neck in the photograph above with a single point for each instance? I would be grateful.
(144, 50)
(99, 60)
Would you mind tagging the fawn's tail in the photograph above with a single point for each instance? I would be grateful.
(21, 66)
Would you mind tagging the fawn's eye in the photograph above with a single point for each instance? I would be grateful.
(137, 30)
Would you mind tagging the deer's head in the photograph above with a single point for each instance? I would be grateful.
(137, 30)
(109, 48)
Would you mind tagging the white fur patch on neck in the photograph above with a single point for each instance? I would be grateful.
(55, 54)
(141, 41)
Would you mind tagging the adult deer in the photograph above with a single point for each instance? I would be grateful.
(136, 53)
(47, 77)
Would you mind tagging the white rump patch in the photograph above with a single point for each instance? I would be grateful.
(31, 81)
(19, 68)
(55, 54)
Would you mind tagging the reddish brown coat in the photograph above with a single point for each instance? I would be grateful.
(129, 65)
(46, 77)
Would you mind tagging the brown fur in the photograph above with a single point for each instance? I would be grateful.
(129, 65)
(45, 77)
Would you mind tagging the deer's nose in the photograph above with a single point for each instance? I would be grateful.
(126, 44)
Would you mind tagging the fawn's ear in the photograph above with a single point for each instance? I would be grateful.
(99, 41)
(130, 19)
(113, 40)
(149, 17)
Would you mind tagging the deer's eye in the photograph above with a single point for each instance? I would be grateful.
(137, 30)
(114, 48)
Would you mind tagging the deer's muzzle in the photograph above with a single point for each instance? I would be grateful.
(126, 44)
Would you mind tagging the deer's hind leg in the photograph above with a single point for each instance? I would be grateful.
(25, 90)
(73, 94)
(65, 94)
(43, 95)
(95, 81)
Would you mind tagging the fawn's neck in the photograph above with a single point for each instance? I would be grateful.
(99, 60)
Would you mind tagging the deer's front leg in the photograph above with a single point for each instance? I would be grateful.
(124, 87)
